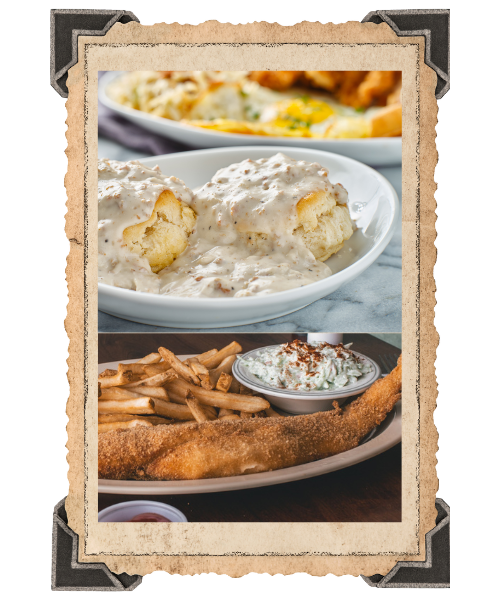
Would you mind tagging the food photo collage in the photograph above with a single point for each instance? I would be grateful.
(250, 296)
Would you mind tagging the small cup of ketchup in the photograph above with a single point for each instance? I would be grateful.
(141, 511)
(149, 518)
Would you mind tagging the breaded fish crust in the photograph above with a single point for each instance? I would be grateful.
(236, 447)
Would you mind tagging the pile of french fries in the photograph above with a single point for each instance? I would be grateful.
(161, 389)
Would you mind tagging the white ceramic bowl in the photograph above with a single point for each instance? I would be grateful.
(373, 151)
(300, 402)
(371, 198)
(124, 511)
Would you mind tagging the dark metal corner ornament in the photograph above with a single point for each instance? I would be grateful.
(65, 27)
(70, 575)
(434, 25)
(434, 572)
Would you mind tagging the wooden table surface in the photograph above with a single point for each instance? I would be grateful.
(367, 492)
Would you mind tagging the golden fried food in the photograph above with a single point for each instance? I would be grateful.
(229, 447)
(347, 91)
(276, 80)
(312, 104)
(114, 422)
(359, 89)
(375, 88)
(388, 122)
(324, 80)
(165, 234)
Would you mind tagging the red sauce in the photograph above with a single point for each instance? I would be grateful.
(149, 518)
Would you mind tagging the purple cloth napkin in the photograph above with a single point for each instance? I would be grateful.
(118, 129)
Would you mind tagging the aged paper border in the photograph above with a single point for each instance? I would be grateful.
(239, 548)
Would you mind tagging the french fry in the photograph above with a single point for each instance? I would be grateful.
(160, 388)
(136, 368)
(224, 382)
(201, 372)
(145, 406)
(224, 412)
(196, 409)
(108, 373)
(155, 381)
(130, 422)
(119, 393)
(178, 395)
(115, 418)
(178, 388)
(182, 369)
(213, 361)
(115, 380)
(226, 366)
(153, 392)
(169, 409)
(270, 412)
(203, 355)
(210, 411)
(245, 415)
(150, 359)
(133, 406)
(151, 370)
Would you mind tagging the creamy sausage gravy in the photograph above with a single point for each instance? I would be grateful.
(127, 193)
(242, 244)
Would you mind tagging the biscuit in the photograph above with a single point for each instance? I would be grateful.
(330, 233)
(165, 234)
(324, 225)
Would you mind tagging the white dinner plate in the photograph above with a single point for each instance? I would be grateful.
(373, 151)
(372, 202)
(299, 402)
(383, 437)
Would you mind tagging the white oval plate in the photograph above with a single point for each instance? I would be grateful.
(373, 151)
(372, 200)
(300, 402)
(383, 437)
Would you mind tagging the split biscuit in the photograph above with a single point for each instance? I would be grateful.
(164, 236)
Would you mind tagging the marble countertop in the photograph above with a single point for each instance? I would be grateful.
(370, 303)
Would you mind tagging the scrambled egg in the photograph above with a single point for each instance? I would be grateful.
(231, 101)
